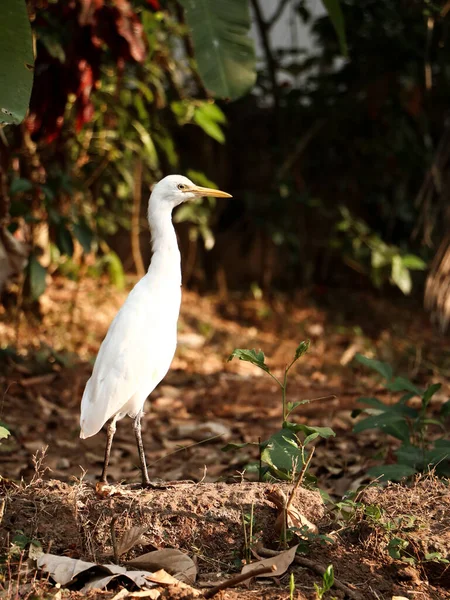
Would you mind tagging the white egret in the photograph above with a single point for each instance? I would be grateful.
(140, 344)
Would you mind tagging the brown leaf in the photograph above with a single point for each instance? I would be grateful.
(282, 562)
(294, 516)
(64, 570)
(130, 538)
(171, 560)
(163, 578)
(104, 490)
(294, 519)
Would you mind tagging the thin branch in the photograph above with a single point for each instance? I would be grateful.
(114, 539)
(277, 13)
(271, 64)
(135, 218)
(313, 566)
(299, 479)
(238, 579)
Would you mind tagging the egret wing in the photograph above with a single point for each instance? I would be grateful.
(125, 362)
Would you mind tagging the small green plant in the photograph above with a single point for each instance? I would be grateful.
(291, 587)
(417, 453)
(4, 432)
(284, 454)
(248, 521)
(366, 252)
(327, 583)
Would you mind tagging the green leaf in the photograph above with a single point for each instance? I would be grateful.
(282, 453)
(4, 433)
(251, 356)
(150, 151)
(429, 393)
(382, 368)
(396, 546)
(20, 185)
(445, 409)
(413, 262)
(223, 48)
(37, 274)
(83, 234)
(16, 61)
(302, 349)
(391, 472)
(64, 240)
(398, 408)
(213, 112)
(334, 11)
(380, 259)
(412, 456)
(436, 557)
(324, 432)
(328, 578)
(115, 270)
(400, 275)
(209, 126)
(232, 446)
(402, 384)
(310, 438)
(389, 422)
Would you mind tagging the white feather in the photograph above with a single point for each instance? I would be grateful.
(141, 341)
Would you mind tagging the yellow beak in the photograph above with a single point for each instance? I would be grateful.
(203, 191)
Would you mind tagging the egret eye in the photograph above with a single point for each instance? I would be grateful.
(181, 186)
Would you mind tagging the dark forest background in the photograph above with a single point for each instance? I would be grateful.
(337, 158)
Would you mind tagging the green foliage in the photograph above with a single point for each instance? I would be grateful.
(252, 356)
(4, 432)
(283, 453)
(16, 61)
(334, 10)
(198, 213)
(209, 117)
(20, 542)
(291, 586)
(36, 277)
(419, 452)
(223, 50)
(327, 583)
(371, 255)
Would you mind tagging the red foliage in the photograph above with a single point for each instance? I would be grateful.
(74, 38)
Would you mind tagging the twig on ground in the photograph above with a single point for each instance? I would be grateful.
(300, 479)
(238, 579)
(114, 539)
(313, 566)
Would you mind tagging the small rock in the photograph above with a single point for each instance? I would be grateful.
(202, 431)
(63, 463)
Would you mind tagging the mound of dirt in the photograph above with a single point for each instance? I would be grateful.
(205, 520)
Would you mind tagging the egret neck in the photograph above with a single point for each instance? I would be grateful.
(166, 259)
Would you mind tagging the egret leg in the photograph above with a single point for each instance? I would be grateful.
(109, 438)
(140, 445)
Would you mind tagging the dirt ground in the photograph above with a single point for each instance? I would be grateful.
(205, 402)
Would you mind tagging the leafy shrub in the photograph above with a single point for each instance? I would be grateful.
(284, 453)
(417, 453)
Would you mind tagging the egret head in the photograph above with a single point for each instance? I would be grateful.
(175, 189)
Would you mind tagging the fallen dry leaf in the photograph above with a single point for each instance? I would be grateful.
(294, 517)
(281, 561)
(175, 562)
(64, 570)
(161, 577)
(122, 594)
(105, 490)
(129, 539)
